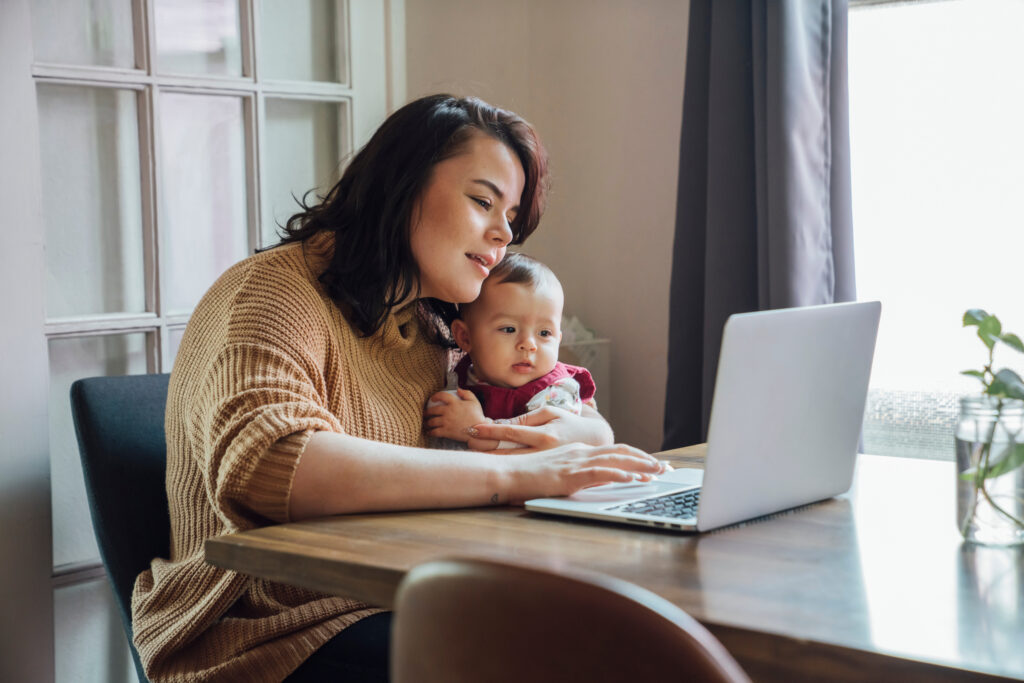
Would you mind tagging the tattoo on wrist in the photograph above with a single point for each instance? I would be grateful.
(494, 499)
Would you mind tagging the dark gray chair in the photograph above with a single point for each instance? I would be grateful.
(120, 426)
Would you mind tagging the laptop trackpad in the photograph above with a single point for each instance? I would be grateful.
(687, 476)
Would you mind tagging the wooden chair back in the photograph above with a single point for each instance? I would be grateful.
(463, 620)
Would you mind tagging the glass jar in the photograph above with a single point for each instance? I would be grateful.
(990, 470)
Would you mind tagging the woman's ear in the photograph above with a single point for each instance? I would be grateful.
(461, 333)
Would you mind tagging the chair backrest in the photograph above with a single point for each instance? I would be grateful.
(120, 426)
(463, 620)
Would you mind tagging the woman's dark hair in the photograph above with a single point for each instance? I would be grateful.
(370, 209)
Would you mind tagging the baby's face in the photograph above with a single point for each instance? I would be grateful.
(512, 332)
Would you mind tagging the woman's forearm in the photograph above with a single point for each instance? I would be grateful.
(340, 474)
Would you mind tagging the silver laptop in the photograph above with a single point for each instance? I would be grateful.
(785, 425)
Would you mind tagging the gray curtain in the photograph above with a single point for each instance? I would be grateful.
(763, 218)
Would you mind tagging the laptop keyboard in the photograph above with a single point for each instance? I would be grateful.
(674, 505)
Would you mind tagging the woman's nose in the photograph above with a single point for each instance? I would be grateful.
(502, 232)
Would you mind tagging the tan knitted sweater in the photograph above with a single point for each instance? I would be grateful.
(267, 359)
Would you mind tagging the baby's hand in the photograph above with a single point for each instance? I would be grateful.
(450, 414)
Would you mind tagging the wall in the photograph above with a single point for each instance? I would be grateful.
(26, 621)
(602, 80)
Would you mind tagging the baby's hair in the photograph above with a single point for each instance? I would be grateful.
(518, 268)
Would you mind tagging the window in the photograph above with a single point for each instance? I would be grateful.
(936, 105)
(173, 137)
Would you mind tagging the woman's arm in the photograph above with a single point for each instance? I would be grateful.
(338, 473)
(549, 427)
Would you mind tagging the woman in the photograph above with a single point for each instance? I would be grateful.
(299, 386)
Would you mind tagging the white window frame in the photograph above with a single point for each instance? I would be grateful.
(376, 85)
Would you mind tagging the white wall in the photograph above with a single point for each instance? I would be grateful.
(26, 615)
(602, 81)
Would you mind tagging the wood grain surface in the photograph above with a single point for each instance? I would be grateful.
(873, 585)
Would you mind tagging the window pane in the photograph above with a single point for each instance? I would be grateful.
(203, 204)
(297, 40)
(303, 154)
(89, 140)
(96, 33)
(198, 37)
(936, 102)
(174, 335)
(90, 642)
(72, 359)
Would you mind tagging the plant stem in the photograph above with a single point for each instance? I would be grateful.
(981, 470)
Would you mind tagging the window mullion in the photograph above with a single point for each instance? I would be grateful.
(253, 164)
(147, 176)
(142, 35)
(248, 19)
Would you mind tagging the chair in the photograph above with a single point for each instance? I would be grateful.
(120, 426)
(463, 620)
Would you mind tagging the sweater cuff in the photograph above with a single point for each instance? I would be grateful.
(270, 486)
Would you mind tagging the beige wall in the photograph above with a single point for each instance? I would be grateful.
(602, 80)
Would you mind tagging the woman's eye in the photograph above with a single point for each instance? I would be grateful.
(486, 204)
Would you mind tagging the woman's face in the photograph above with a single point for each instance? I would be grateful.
(461, 221)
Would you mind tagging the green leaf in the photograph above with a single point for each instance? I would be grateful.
(1007, 384)
(974, 373)
(989, 330)
(1009, 460)
(1013, 341)
(974, 317)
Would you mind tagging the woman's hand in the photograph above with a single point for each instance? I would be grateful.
(545, 428)
(564, 470)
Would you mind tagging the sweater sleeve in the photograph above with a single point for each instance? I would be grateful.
(255, 413)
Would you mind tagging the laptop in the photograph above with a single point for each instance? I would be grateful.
(785, 425)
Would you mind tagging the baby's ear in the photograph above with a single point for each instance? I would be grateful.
(461, 333)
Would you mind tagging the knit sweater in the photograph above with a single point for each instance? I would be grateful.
(267, 360)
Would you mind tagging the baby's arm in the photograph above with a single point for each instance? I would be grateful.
(450, 415)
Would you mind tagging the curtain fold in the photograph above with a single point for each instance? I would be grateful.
(763, 215)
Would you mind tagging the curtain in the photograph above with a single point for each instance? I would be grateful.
(763, 217)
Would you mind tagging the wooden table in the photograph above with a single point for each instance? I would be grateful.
(873, 585)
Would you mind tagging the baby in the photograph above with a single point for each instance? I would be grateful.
(510, 335)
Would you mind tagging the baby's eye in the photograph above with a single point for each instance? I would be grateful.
(507, 329)
(546, 333)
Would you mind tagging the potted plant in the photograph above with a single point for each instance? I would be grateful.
(990, 445)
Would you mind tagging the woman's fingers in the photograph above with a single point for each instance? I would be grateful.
(531, 437)
(567, 469)
(593, 476)
(538, 417)
(628, 462)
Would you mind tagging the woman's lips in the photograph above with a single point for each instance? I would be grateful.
(478, 262)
